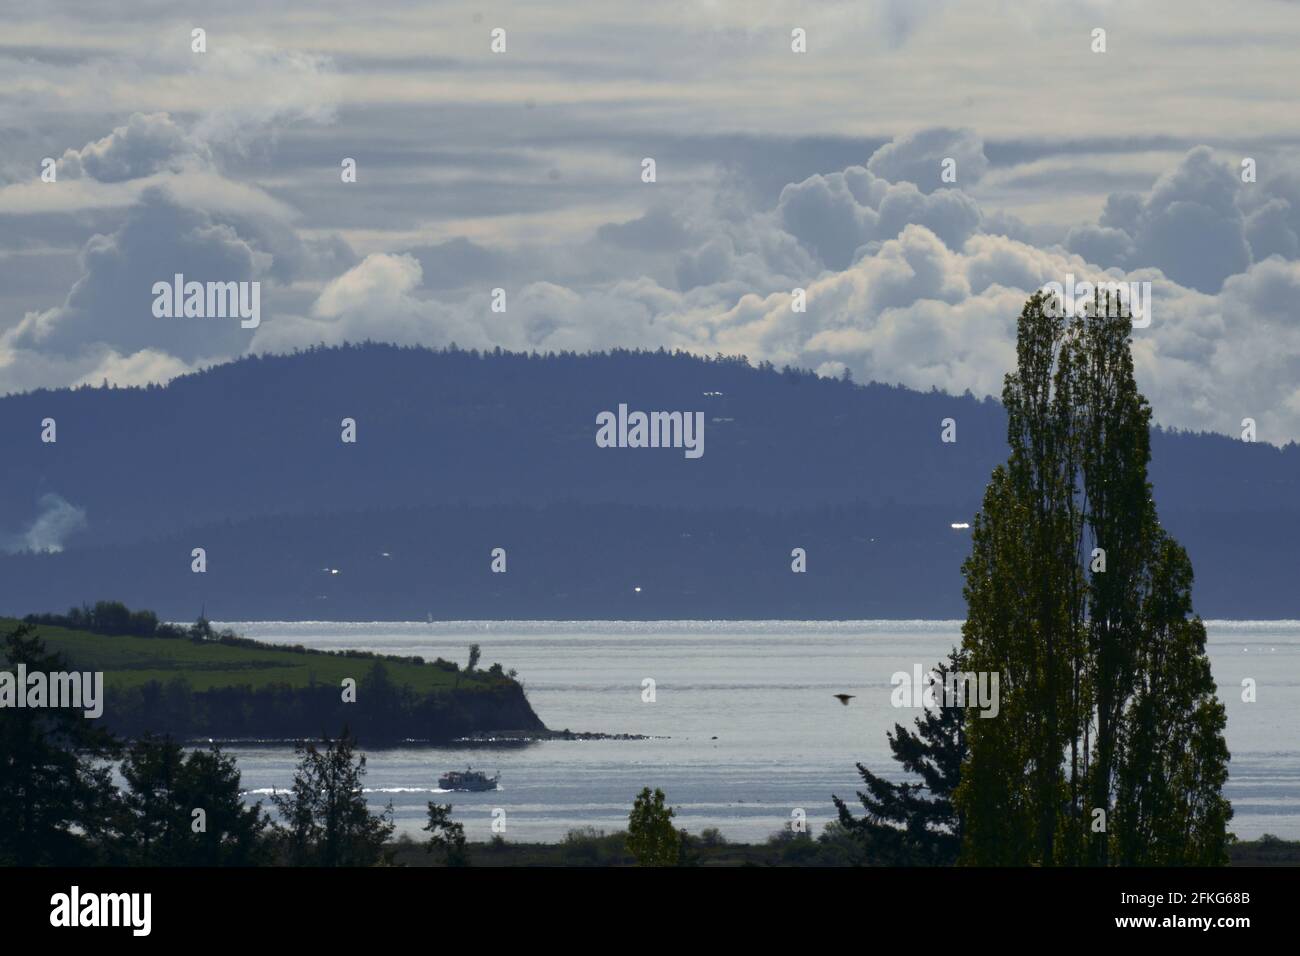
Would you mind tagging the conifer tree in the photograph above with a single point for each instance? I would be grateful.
(915, 824)
(164, 788)
(56, 790)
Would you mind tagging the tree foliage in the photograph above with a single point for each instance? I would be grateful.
(651, 837)
(165, 786)
(1108, 747)
(915, 824)
(446, 836)
(324, 817)
(56, 790)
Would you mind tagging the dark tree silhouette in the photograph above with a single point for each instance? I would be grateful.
(165, 786)
(56, 792)
(446, 836)
(915, 824)
(324, 817)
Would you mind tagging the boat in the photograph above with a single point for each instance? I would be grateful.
(469, 779)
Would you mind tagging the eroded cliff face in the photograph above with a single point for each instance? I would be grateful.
(499, 708)
(280, 712)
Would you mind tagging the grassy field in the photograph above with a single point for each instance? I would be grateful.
(133, 661)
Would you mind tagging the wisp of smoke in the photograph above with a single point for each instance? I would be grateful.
(56, 519)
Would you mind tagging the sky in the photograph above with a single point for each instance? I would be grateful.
(774, 170)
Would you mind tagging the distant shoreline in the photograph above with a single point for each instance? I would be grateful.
(489, 738)
(486, 625)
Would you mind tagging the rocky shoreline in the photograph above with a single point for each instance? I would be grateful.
(532, 736)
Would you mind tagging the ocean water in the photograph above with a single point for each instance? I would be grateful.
(745, 731)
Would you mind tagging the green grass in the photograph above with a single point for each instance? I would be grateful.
(133, 661)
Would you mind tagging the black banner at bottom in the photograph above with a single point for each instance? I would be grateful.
(297, 906)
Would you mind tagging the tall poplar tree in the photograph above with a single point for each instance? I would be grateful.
(1109, 744)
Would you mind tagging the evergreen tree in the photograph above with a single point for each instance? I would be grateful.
(56, 792)
(1109, 746)
(165, 787)
(324, 817)
(915, 824)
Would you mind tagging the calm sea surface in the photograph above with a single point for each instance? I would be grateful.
(746, 728)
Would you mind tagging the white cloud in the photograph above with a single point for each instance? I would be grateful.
(835, 215)
(111, 304)
(918, 286)
(918, 158)
(148, 143)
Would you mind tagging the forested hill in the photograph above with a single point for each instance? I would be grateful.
(460, 452)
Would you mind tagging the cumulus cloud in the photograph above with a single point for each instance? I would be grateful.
(137, 368)
(158, 184)
(1270, 231)
(182, 216)
(377, 299)
(836, 215)
(658, 230)
(23, 370)
(916, 308)
(148, 143)
(1273, 214)
(905, 282)
(918, 158)
(1199, 224)
(111, 304)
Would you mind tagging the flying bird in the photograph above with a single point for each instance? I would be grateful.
(844, 698)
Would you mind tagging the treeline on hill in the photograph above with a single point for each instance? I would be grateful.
(115, 618)
(434, 477)
(456, 426)
(382, 711)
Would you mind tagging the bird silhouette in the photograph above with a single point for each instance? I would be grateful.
(844, 698)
